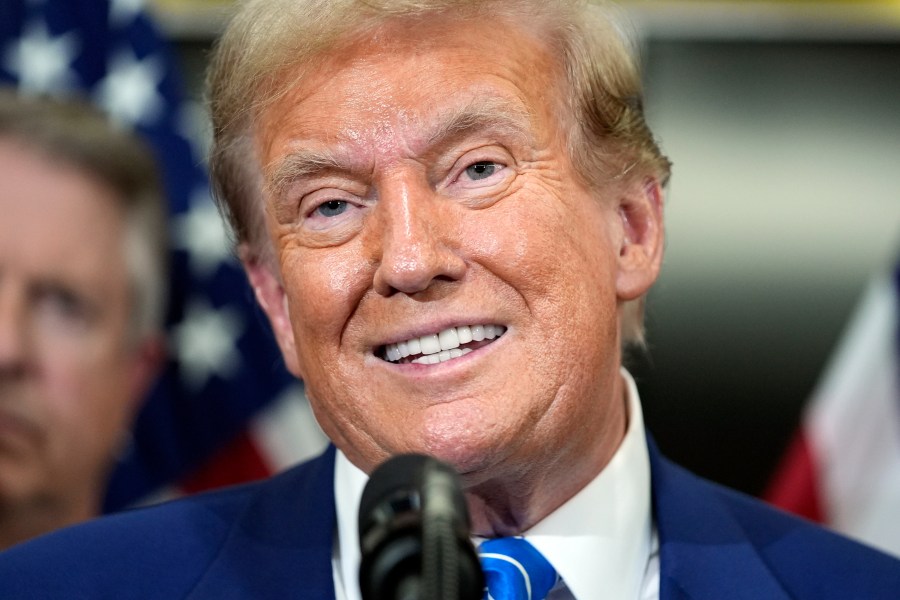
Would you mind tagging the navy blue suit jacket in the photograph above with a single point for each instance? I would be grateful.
(274, 540)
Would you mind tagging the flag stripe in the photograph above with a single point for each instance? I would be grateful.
(238, 462)
(795, 486)
(848, 459)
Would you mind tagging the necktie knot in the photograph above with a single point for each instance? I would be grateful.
(515, 570)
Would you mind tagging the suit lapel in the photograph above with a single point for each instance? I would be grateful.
(704, 552)
(281, 546)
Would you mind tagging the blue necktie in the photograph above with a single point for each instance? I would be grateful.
(515, 570)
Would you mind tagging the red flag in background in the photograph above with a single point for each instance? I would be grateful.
(843, 467)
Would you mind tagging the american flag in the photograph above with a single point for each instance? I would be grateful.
(225, 409)
(843, 466)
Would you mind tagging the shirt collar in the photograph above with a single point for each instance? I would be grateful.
(349, 483)
(599, 540)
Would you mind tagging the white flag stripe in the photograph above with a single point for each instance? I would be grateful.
(854, 424)
(286, 432)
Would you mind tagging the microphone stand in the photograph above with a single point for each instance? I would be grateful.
(440, 550)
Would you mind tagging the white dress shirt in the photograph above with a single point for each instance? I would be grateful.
(602, 541)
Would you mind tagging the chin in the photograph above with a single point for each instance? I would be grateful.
(468, 454)
(460, 434)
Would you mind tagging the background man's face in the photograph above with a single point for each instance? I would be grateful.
(423, 185)
(65, 366)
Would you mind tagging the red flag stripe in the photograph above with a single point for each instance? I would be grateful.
(238, 462)
(795, 486)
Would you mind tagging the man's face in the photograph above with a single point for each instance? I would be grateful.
(419, 192)
(66, 369)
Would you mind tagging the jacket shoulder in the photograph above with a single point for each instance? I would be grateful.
(163, 549)
(811, 560)
(720, 540)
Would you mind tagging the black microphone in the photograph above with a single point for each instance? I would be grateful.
(414, 534)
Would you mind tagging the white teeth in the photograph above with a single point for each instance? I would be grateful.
(433, 359)
(430, 344)
(439, 347)
(449, 339)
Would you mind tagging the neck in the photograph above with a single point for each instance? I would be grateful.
(25, 520)
(516, 501)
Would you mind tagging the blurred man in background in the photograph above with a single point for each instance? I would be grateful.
(82, 294)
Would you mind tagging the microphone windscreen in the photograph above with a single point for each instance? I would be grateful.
(414, 533)
(398, 478)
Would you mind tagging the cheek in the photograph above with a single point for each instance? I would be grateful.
(84, 417)
(549, 250)
(560, 262)
(91, 397)
(67, 378)
(322, 288)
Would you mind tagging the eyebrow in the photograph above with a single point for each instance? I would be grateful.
(303, 162)
(498, 115)
(492, 115)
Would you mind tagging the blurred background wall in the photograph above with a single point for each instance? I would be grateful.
(783, 123)
(784, 202)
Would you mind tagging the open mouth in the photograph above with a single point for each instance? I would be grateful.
(440, 347)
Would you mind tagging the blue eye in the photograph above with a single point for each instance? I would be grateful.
(332, 208)
(481, 170)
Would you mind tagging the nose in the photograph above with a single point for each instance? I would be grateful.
(415, 238)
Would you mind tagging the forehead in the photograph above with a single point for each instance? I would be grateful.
(405, 77)
(57, 221)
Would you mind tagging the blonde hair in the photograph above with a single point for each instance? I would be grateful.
(267, 40)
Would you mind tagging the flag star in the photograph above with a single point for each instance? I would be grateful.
(123, 12)
(206, 343)
(129, 91)
(42, 62)
(200, 232)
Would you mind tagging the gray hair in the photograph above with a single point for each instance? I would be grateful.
(79, 135)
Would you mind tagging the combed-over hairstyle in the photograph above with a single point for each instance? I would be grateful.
(271, 44)
(76, 134)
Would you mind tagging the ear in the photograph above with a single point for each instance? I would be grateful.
(640, 210)
(270, 294)
(147, 363)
